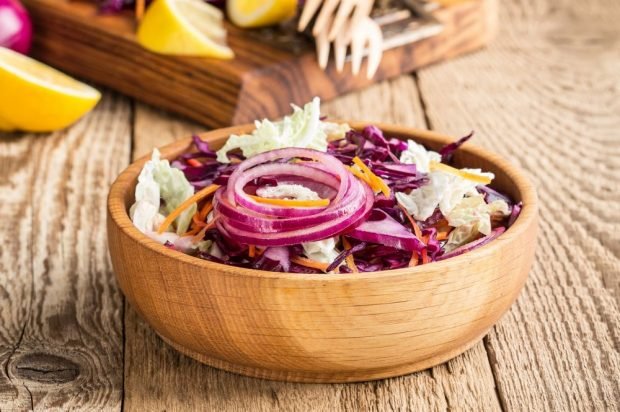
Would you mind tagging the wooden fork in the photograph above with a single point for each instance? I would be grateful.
(345, 23)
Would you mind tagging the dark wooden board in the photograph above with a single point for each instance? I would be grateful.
(260, 82)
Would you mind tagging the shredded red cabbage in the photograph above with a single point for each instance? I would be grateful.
(448, 150)
(380, 234)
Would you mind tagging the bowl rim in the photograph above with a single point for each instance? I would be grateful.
(118, 214)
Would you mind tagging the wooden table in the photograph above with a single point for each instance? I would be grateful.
(546, 95)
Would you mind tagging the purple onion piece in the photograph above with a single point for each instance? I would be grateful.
(383, 229)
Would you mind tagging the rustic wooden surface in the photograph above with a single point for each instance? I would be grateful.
(546, 94)
(262, 80)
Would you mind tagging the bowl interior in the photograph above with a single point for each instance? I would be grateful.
(508, 180)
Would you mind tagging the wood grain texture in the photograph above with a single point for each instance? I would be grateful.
(60, 310)
(262, 80)
(158, 377)
(547, 94)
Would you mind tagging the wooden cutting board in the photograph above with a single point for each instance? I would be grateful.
(262, 80)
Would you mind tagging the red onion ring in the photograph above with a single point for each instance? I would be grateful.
(247, 221)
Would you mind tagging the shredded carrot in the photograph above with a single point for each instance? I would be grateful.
(442, 235)
(206, 209)
(377, 183)
(350, 260)
(465, 175)
(309, 263)
(360, 175)
(192, 231)
(197, 222)
(443, 229)
(194, 162)
(414, 259)
(414, 225)
(187, 203)
(418, 233)
(291, 202)
(425, 258)
(251, 251)
(210, 225)
(441, 223)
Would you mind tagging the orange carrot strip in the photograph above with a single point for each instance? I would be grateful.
(251, 251)
(309, 263)
(418, 233)
(360, 175)
(291, 202)
(442, 235)
(350, 260)
(378, 183)
(187, 203)
(414, 225)
(206, 209)
(192, 231)
(194, 162)
(414, 259)
(197, 222)
(425, 258)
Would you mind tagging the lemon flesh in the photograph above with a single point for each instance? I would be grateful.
(37, 98)
(184, 27)
(250, 13)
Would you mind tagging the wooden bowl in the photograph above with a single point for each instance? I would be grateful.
(324, 328)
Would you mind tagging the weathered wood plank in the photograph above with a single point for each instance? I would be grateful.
(546, 94)
(157, 378)
(60, 310)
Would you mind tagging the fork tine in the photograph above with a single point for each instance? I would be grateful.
(325, 16)
(375, 49)
(358, 40)
(310, 8)
(322, 50)
(341, 17)
(340, 52)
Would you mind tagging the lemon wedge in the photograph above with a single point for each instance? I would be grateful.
(184, 27)
(250, 13)
(37, 98)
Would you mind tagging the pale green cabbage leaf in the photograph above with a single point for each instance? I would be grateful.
(303, 128)
(158, 180)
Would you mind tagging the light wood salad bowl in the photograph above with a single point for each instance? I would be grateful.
(324, 328)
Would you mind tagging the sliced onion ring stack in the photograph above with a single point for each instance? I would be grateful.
(247, 221)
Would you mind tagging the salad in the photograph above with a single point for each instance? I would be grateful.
(305, 195)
